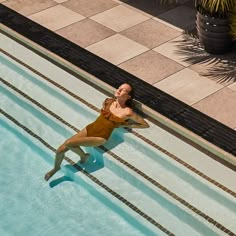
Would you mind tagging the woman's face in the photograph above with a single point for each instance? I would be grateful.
(123, 91)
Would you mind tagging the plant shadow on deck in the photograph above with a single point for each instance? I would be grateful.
(221, 68)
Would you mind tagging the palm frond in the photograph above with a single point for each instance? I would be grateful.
(215, 6)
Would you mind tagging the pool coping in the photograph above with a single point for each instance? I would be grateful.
(165, 109)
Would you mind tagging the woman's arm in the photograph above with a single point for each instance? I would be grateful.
(139, 122)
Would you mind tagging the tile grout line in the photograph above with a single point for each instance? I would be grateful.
(209, 95)
(39, 10)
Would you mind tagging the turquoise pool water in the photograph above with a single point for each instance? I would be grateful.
(69, 207)
(108, 197)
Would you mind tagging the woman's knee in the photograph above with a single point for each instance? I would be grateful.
(68, 143)
(101, 141)
(62, 149)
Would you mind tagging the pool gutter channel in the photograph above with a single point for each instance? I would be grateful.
(218, 153)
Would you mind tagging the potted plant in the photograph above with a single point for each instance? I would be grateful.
(213, 22)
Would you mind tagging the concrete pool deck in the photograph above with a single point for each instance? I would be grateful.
(149, 41)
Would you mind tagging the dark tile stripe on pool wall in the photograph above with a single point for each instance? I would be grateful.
(173, 195)
(190, 118)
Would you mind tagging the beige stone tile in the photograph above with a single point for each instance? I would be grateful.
(85, 32)
(52, 17)
(220, 106)
(142, 12)
(91, 7)
(168, 24)
(151, 33)
(188, 86)
(220, 68)
(120, 2)
(233, 86)
(151, 67)
(117, 49)
(60, 1)
(28, 7)
(119, 18)
(180, 49)
(213, 71)
(182, 17)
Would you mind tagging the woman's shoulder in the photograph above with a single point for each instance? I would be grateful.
(109, 100)
(129, 111)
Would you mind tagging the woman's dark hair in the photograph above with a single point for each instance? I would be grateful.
(129, 102)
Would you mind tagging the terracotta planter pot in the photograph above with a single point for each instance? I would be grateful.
(214, 34)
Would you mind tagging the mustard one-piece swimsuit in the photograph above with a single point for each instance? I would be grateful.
(105, 123)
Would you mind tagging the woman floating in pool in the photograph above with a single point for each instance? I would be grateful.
(116, 112)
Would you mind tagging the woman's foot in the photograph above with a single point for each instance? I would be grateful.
(50, 174)
(84, 158)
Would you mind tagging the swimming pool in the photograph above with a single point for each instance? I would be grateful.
(131, 186)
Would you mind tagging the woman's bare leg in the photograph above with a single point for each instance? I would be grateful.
(84, 156)
(73, 144)
(60, 154)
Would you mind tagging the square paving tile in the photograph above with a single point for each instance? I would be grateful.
(117, 49)
(28, 7)
(151, 33)
(233, 86)
(221, 106)
(220, 72)
(188, 86)
(52, 18)
(91, 7)
(85, 32)
(119, 18)
(151, 67)
(182, 17)
(120, 1)
(181, 49)
(60, 1)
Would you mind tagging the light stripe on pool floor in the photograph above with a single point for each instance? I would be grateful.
(91, 177)
(154, 182)
(172, 156)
